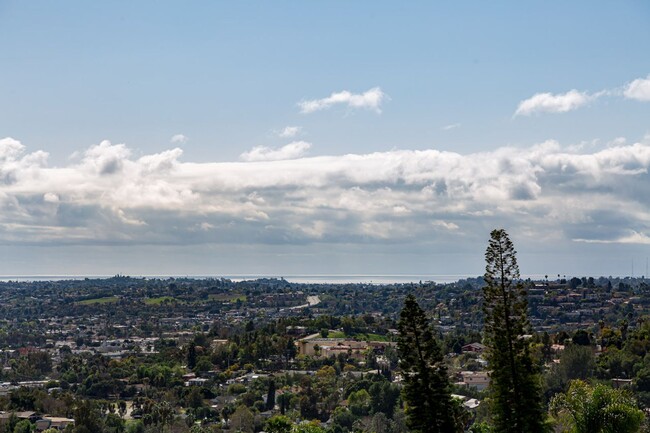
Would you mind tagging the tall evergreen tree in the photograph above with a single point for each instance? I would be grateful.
(191, 356)
(429, 406)
(270, 395)
(515, 390)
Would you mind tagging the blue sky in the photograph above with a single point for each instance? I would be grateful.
(323, 138)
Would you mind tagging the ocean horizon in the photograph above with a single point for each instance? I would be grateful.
(304, 279)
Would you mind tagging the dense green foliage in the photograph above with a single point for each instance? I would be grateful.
(597, 409)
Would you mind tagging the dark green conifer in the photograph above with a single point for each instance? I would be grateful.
(270, 395)
(191, 356)
(429, 407)
(515, 392)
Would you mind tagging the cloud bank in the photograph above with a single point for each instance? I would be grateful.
(369, 100)
(109, 196)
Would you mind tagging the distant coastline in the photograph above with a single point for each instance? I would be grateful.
(304, 279)
(310, 279)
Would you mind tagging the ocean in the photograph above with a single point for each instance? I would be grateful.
(312, 279)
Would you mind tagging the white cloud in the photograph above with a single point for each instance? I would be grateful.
(289, 132)
(160, 162)
(445, 225)
(549, 103)
(280, 196)
(50, 198)
(638, 89)
(451, 126)
(369, 100)
(179, 139)
(292, 150)
(632, 238)
(127, 220)
(105, 158)
(10, 148)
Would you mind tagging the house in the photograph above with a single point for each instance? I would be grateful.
(196, 381)
(315, 345)
(28, 415)
(55, 422)
(477, 379)
(621, 383)
(468, 403)
(296, 330)
(473, 348)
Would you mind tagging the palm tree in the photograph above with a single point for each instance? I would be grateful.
(597, 409)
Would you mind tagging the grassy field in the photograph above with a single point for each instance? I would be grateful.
(158, 301)
(373, 337)
(336, 334)
(360, 337)
(106, 300)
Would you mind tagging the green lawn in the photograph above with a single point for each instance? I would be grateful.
(106, 300)
(360, 337)
(336, 334)
(376, 337)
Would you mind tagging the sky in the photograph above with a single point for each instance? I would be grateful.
(323, 138)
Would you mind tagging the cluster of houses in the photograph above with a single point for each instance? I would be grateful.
(560, 305)
(41, 422)
(317, 346)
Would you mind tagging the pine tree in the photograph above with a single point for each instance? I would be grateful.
(515, 392)
(429, 407)
(270, 395)
(191, 356)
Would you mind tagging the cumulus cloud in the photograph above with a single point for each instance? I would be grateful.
(289, 131)
(638, 89)
(179, 139)
(444, 225)
(550, 103)
(10, 148)
(105, 158)
(554, 191)
(369, 100)
(292, 150)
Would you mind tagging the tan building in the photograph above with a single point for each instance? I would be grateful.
(315, 345)
(477, 379)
